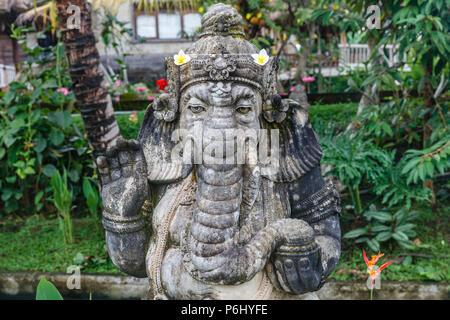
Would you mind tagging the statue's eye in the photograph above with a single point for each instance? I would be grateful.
(243, 110)
(196, 108)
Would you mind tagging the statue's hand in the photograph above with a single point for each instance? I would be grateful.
(123, 172)
(296, 266)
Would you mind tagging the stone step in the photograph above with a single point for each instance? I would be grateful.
(22, 285)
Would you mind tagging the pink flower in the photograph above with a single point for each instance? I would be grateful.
(117, 99)
(141, 89)
(63, 90)
(108, 84)
(117, 83)
(308, 79)
(292, 89)
(151, 98)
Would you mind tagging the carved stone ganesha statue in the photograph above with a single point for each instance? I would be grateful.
(221, 196)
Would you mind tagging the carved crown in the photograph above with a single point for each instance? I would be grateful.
(228, 67)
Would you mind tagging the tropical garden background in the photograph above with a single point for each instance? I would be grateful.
(382, 124)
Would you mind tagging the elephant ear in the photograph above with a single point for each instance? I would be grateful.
(158, 142)
(299, 150)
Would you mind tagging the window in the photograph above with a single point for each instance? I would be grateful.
(192, 21)
(146, 26)
(166, 25)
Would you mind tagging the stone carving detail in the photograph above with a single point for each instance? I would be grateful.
(237, 212)
(219, 68)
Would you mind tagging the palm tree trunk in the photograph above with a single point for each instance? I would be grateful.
(93, 99)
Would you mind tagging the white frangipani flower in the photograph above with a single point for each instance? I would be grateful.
(181, 58)
(261, 58)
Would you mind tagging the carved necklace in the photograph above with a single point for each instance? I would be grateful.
(184, 191)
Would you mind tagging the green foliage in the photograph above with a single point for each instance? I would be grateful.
(47, 291)
(62, 198)
(113, 32)
(334, 117)
(382, 157)
(422, 27)
(425, 262)
(85, 261)
(130, 129)
(113, 29)
(392, 123)
(350, 80)
(383, 226)
(35, 140)
(421, 165)
(354, 159)
(262, 43)
(93, 200)
(395, 190)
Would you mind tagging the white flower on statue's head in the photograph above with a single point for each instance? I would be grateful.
(261, 58)
(181, 58)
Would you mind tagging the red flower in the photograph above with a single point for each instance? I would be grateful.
(162, 83)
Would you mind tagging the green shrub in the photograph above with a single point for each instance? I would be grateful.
(36, 142)
(353, 161)
(383, 226)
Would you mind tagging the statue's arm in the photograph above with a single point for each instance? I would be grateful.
(124, 190)
(305, 268)
(319, 205)
(127, 241)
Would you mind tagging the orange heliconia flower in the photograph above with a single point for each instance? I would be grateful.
(374, 272)
(373, 261)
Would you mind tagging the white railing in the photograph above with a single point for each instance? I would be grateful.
(355, 55)
(7, 75)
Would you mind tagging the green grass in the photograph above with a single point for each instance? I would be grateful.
(129, 129)
(37, 244)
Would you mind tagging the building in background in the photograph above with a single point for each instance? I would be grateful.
(10, 53)
(156, 34)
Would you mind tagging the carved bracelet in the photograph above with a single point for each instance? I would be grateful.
(319, 205)
(121, 224)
